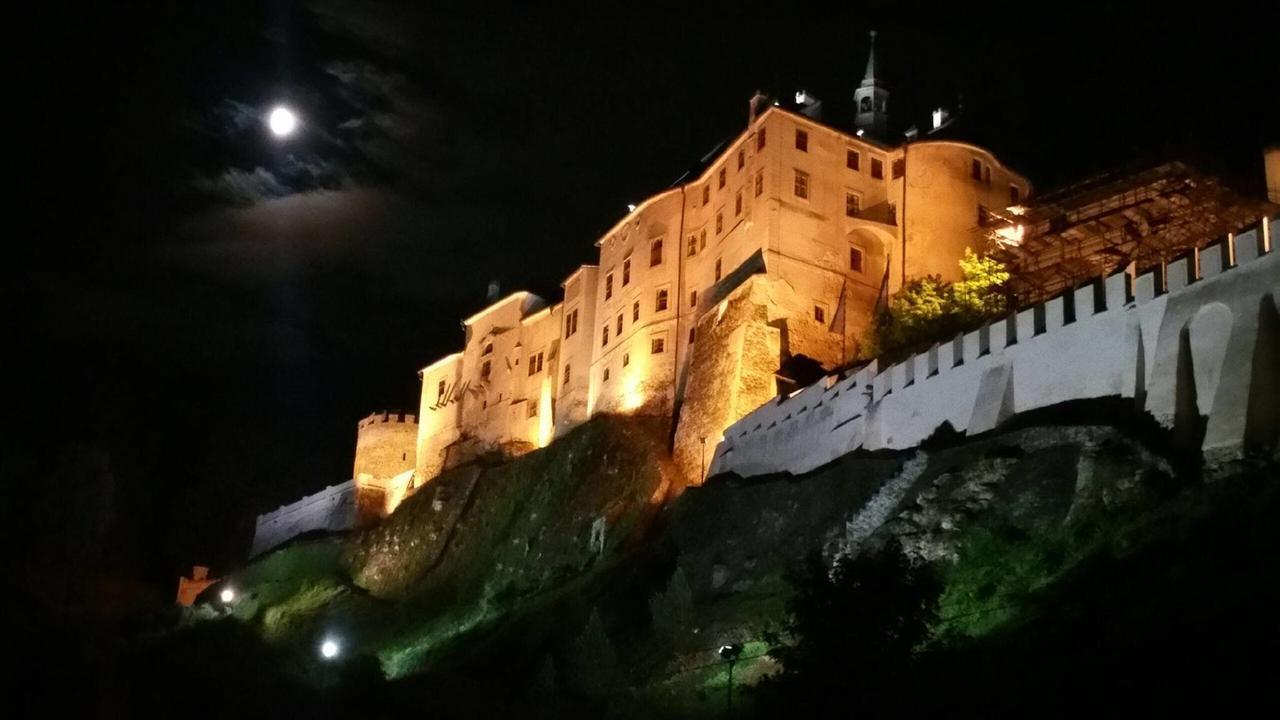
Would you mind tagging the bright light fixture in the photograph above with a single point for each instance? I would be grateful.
(227, 595)
(329, 649)
(282, 121)
(631, 207)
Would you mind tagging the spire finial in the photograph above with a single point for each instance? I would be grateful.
(870, 77)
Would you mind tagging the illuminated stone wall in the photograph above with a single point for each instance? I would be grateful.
(384, 462)
(735, 357)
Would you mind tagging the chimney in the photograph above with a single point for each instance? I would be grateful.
(492, 293)
(1271, 160)
(758, 104)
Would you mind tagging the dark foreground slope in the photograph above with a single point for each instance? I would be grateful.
(1076, 558)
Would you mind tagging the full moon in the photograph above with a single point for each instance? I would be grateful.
(282, 121)
(329, 649)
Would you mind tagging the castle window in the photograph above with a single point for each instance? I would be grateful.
(719, 222)
(635, 311)
(852, 204)
(626, 272)
(626, 359)
(571, 323)
(657, 346)
(855, 259)
(566, 374)
(802, 140)
(819, 313)
(899, 168)
(1015, 195)
(619, 324)
(986, 174)
(706, 194)
(440, 393)
(604, 339)
(759, 183)
(717, 269)
(852, 159)
(742, 158)
(533, 364)
(802, 185)
(975, 169)
(660, 303)
(606, 375)
(692, 333)
(533, 408)
(877, 168)
(693, 299)
(484, 370)
(655, 253)
(702, 240)
(721, 179)
(693, 246)
(737, 204)
(608, 286)
(760, 138)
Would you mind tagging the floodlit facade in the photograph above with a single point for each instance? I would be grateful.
(821, 223)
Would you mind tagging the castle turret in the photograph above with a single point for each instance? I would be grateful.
(872, 99)
(385, 458)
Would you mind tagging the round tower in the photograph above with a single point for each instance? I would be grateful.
(384, 463)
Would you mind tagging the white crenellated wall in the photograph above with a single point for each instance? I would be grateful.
(1130, 342)
(332, 509)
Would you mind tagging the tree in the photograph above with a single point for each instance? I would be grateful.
(857, 627)
(927, 310)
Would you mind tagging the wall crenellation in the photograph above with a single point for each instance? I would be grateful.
(388, 416)
(978, 361)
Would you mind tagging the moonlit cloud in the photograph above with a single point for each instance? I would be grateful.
(241, 187)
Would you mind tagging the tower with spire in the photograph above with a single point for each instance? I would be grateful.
(871, 99)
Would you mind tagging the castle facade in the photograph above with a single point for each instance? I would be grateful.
(816, 223)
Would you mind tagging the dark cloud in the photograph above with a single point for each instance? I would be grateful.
(240, 187)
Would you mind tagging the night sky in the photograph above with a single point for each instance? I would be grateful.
(200, 313)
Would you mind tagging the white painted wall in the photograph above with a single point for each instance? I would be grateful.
(1123, 348)
(333, 509)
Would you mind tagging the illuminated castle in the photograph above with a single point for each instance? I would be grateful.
(749, 277)
(807, 223)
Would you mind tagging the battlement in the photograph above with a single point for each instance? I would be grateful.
(388, 417)
(1120, 336)
(331, 509)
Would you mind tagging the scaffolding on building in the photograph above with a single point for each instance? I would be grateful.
(1113, 221)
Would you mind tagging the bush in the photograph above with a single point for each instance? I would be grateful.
(927, 310)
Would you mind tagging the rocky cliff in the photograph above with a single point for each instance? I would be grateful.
(566, 576)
